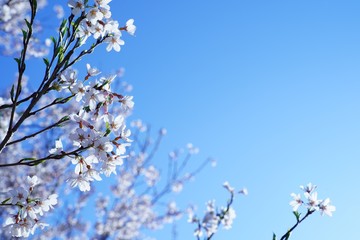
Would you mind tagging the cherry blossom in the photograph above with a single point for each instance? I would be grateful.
(58, 148)
(114, 42)
(18, 195)
(91, 71)
(30, 208)
(326, 208)
(81, 181)
(77, 6)
(297, 202)
(130, 27)
(312, 202)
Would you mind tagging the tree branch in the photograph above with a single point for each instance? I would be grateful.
(62, 120)
(34, 162)
(287, 234)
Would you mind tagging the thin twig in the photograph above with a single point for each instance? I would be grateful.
(62, 120)
(287, 234)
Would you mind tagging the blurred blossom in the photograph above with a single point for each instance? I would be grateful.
(59, 10)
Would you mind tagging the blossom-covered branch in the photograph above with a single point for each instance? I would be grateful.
(214, 217)
(312, 204)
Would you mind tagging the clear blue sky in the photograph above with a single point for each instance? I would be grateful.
(271, 89)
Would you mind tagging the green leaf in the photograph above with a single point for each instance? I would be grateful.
(64, 31)
(61, 53)
(17, 60)
(297, 215)
(31, 161)
(63, 27)
(61, 57)
(46, 61)
(62, 100)
(107, 132)
(66, 99)
(87, 109)
(63, 24)
(66, 118)
(37, 162)
(53, 40)
(12, 93)
(108, 129)
(287, 235)
(27, 159)
(3, 202)
(28, 24)
(274, 236)
(24, 34)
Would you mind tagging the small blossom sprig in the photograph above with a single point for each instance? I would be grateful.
(29, 209)
(95, 20)
(312, 204)
(214, 217)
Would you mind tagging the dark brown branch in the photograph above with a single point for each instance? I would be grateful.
(56, 101)
(34, 162)
(17, 103)
(62, 120)
(21, 69)
(287, 234)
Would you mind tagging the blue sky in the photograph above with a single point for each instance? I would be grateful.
(268, 88)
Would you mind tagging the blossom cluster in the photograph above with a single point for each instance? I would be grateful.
(29, 209)
(214, 216)
(312, 202)
(95, 127)
(98, 23)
